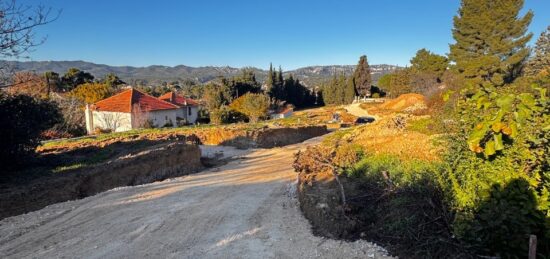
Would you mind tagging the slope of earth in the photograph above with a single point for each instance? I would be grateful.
(244, 209)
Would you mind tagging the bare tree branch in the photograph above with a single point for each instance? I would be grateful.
(17, 33)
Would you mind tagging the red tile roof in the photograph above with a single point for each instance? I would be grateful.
(125, 101)
(178, 100)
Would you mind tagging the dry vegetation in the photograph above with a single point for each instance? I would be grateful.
(399, 131)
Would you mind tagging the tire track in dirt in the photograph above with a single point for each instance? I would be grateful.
(245, 209)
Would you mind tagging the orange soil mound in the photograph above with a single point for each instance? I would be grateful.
(405, 101)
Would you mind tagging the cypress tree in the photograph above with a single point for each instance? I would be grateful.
(490, 41)
(349, 91)
(541, 60)
(280, 75)
(361, 80)
(269, 80)
(342, 86)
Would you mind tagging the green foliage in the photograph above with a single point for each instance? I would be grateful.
(338, 91)
(400, 83)
(276, 89)
(497, 178)
(53, 81)
(297, 94)
(254, 106)
(428, 62)
(540, 62)
(490, 41)
(92, 92)
(112, 80)
(22, 120)
(245, 83)
(503, 115)
(401, 205)
(385, 81)
(503, 222)
(216, 95)
(400, 171)
(75, 77)
(511, 130)
(361, 78)
(426, 126)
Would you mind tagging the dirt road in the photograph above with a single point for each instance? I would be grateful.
(245, 209)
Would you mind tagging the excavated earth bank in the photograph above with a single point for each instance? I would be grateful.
(155, 162)
(158, 163)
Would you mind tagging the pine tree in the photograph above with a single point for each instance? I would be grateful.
(361, 80)
(541, 60)
(269, 80)
(490, 41)
(427, 62)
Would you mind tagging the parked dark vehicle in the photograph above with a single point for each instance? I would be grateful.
(363, 120)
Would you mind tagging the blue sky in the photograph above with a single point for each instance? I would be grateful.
(251, 33)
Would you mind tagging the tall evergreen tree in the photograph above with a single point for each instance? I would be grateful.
(269, 80)
(361, 80)
(277, 90)
(280, 76)
(490, 40)
(541, 60)
(349, 91)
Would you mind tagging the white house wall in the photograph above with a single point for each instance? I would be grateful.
(116, 121)
(183, 113)
(160, 118)
(194, 114)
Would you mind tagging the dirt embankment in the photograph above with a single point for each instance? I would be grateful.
(321, 204)
(239, 137)
(270, 137)
(148, 165)
(129, 160)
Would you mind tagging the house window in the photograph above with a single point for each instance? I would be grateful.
(189, 111)
(165, 118)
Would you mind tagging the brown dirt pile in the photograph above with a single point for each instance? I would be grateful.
(404, 101)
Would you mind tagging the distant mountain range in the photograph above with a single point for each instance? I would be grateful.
(311, 75)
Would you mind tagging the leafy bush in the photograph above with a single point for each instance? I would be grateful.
(502, 223)
(225, 115)
(22, 120)
(92, 92)
(254, 106)
(498, 178)
(402, 206)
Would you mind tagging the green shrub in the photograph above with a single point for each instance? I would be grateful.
(225, 115)
(22, 120)
(502, 223)
(402, 206)
(497, 178)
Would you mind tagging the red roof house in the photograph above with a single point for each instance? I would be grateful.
(131, 99)
(178, 100)
(128, 110)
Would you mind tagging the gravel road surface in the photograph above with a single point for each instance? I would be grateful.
(244, 209)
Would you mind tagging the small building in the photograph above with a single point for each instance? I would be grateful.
(189, 108)
(283, 113)
(130, 109)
